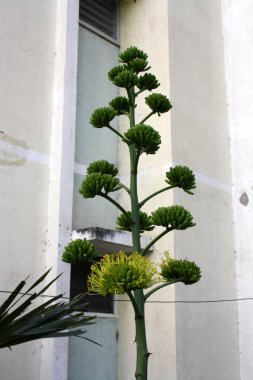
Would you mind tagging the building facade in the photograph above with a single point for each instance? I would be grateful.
(53, 72)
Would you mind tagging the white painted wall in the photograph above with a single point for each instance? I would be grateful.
(207, 334)
(38, 55)
(26, 72)
(54, 356)
(27, 62)
(238, 49)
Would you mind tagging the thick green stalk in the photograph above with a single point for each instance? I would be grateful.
(141, 341)
(134, 202)
(133, 180)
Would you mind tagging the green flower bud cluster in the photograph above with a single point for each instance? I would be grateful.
(102, 166)
(181, 176)
(147, 82)
(158, 103)
(134, 61)
(125, 79)
(99, 184)
(102, 117)
(183, 270)
(120, 104)
(119, 273)
(79, 251)
(124, 222)
(116, 70)
(131, 54)
(173, 217)
(137, 65)
(144, 137)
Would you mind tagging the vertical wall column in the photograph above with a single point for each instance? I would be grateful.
(54, 357)
(238, 47)
(206, 332)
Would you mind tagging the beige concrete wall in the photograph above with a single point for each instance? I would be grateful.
(206, 334)
(38, 54)
(238, 30)
(26, 73)
(27, 54)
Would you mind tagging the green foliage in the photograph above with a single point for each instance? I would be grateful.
(181, 176)
(119, 273)
(158, 103)
(173, 217)
(147, 82)
(131, 54)
(99, 184)
(102, 166)
(185, 271)
(144, 137)
(120, 104)
(137, 65)
(116, 70)
(125, 79)
(79, 251)
(102, 117)
(50, 319)
(124, 222)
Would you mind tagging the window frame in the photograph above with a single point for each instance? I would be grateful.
(115, 41)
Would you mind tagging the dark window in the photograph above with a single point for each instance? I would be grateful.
(101, 14)
(78, 284)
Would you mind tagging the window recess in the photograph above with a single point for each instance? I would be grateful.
(78, 285)
(100, 16)
(106, 241)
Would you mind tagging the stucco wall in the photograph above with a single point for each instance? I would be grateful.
(206, 334)
(26, 74)
(238, 49)
(27, 62)
(37, 104)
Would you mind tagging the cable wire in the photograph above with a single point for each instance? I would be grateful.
(155, 301)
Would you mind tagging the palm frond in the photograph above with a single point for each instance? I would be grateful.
(51, 319)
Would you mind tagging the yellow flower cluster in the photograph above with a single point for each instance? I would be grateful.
(119, 273)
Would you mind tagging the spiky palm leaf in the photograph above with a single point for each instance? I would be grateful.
(49, 320)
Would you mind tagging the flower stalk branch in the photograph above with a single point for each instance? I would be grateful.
(154, 194)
